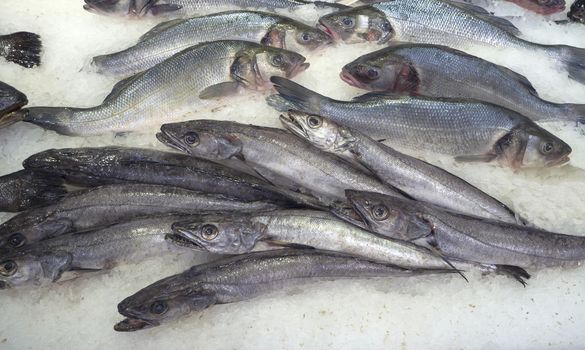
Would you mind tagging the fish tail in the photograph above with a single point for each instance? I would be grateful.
(25, 49)
(574, 112)
(293, 96)
(572, 58)
(50, 187)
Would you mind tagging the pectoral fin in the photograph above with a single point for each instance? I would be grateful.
(219, 90)
(55, 264)
(486, 158)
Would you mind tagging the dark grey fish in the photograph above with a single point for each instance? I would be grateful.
(439, 71)
(49, 261)
(106, 205)
(577, 13)
(27, 189)
(468, 238)
(10, 99)
(241, 278)
(22, 48)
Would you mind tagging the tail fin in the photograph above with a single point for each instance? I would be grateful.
(574, 112)
(25, 49)
(46, 188)
(294, 96)
(573, 59)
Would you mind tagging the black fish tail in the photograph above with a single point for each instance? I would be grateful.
(293, 96)
(24, 49)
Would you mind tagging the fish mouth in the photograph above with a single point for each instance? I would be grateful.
(182, 241)
(560, 161)
(292, 125)
(350, 79)
(298, 69)
(171, 141)
(4, 285)
(322, 26)
(351, 215)
(133, 324)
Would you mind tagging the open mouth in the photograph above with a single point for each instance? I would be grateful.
(350, 79)
(133, 324)
(327, 30)
(181, 241)
(171, 141)
(291, 124)
(298, 69)
(559, 161)
(351, 215)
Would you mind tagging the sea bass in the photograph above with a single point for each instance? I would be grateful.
(163, 93)
(22, 48)
(276, 155)
(442, 22)
(168, 38)
(439, 71)
(27, 189)
(420, 180)
(243, 277)
(472, 131)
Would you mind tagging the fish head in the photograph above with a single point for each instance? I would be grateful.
(357, 25)
(161, 302)
(577, 13)
(118, 7)
(30, 227)
(531, 146)
(296, 36)
(219, 235)
(381, 71)
(319, 131)
(22, 269)
(196, 139)
(10, 99)
(388, 215)
(254, 66)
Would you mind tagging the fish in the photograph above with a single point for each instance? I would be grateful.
(10, 99)
(99, 166)
(439, 71)
(459, 236)
(182, 8)
(22, 48)
(243, 277)
(471, 131)
(577, 13)
(239, 234)
(171, 37)
(190, 79)
(100, 206)
(274, 154)
(69, 256)
(542, 7)
(442, 22)
(27, 189)
(418, 179)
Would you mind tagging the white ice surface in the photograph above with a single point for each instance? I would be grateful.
(437, 312)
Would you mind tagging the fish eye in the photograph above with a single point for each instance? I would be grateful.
(546, 148)
(380, 212)
(372, 73)
(8, 268)
(347, 22)
(386, 27)
(16, 240)
(314, 122)
(277, 60)
(305, 36)
(158, 307)
(191, 138)
(209, 232)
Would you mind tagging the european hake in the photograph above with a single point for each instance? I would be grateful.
(188, 80)
(22, 48)
(276, 155)
(420, 180)
(243, 277)
(439, 71)
(10, 99)
(27, 189)
(168, 38)
(472, 131)
(105, 205)
(442, 22)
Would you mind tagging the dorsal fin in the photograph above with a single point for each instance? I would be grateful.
(376, 95)
(477, 10)
(159, 28)
(120, 86)
(483, 14)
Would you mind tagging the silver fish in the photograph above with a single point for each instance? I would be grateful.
(420, 180)
(22, 48)
(110, 204)
(274, 154)
(168, 38)
(439, 71)
(29, 189)
(243, 277)
(46, 262)
(459, 236)
(187, 80)
(472, 131)
(442, 22)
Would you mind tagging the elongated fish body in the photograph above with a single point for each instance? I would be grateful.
(470, 238)
(163, 92)
(420, 180)
(104, 248)
(112, 165)
(110, 204)
(442, 22)
(241, 278)
(274, 154)
(461, 128)
(439, 71)
(168, 38)
(29, 189)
